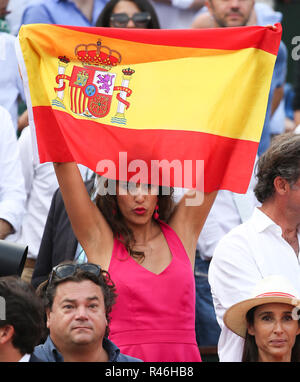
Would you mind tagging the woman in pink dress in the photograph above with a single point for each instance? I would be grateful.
(150, 262)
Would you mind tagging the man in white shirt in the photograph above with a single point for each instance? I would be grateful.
(228, 211)
(266, 244)
(21, 320)
(12, 193)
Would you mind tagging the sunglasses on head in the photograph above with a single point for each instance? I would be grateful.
(66, 270)
(121, 20)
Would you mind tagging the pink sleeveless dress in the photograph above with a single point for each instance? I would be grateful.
(154, 317)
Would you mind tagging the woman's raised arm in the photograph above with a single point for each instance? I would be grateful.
(88, 223)
(189, 217)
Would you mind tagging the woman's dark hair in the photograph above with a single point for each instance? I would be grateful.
(281, 159)
(108, 205)
(144, 6)
(24, 311)
(250, 352)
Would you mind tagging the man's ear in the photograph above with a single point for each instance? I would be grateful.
(281, 185)
(48, 310)
(6, 334)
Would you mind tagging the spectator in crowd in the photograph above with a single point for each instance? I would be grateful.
(12, 195)
(152, 256)
(11, 86)
(21, 320)
(261, 14)
(79, 299)
(128, 14)
(236, 13)
(269, 322)
(163, 238)
(64, 12)
(266, 244)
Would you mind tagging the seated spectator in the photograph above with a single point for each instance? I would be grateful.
(268, 321)
(21, 320)
(63, 12)
(128, 14)
(12, 195)
(262, 14)
(78, 301)
(267, 243)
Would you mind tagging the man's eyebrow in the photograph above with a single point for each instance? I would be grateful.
(68, 300)
(74, 300)
(93, 298)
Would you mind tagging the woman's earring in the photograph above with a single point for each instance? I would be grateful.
(156, 215)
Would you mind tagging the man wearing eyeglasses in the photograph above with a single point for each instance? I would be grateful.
(79, 298)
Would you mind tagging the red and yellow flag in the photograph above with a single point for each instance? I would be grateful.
(183, 100)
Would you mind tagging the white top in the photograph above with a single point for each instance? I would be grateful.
(11, 85)
(248, 253)
(25, 358)
(228, 211)
(12, 195)
(40, 185)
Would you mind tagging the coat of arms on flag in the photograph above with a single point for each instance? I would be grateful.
(91, 85)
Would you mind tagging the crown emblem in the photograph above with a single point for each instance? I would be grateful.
(97, 55)
(128, 72)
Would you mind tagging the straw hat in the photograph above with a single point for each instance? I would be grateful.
(268, 290)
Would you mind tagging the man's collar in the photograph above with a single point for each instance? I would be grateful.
(263, 222)
(49, 345)
(112, 350)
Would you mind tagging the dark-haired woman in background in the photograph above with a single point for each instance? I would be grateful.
(128, 14)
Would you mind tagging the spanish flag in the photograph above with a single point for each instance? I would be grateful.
(176, 107)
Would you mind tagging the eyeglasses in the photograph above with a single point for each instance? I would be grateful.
(121, 20)
(66, 270)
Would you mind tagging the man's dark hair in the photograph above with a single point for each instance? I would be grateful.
(24, 311)
(48, 291)
(281, 159)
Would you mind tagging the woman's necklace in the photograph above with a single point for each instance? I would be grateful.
(146, 247)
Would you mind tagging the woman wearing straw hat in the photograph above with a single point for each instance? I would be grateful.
(269, 322)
